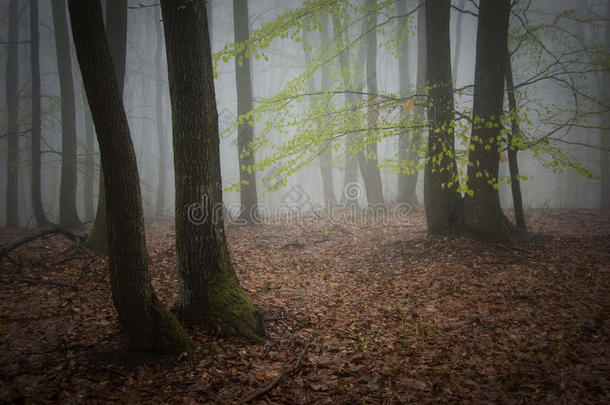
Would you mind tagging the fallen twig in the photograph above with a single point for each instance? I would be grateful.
(279, 377)
(45, 232)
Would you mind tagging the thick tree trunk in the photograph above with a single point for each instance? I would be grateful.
(12, 103)
(407, 152)
(116, 32)
(368, 158)
(146, 325)
(245, 135)
(440, 181)
(513, 163)
(68, 215)
(605, 141)
(160, 123)
(41, 217)
(208, 288)
(483, 216)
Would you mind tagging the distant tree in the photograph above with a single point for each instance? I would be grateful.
(160, 120)
(116, 30)
(407, 148)
(68, 215)
(440, 180)
(367, 158)
(483, 216)
(243, 80)
(208, 288)
(12, 101)
(145, 324)
(458, 39)
(89, 176)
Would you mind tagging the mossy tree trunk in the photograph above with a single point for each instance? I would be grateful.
(245, 132)
(605, 133)
(116, 31)
(146, 325)
(208, 288)
(12, 102)
(68, 215)
(440, 182)
(483, 216)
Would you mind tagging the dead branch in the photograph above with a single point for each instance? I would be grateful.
(279, 377)
(4, 251)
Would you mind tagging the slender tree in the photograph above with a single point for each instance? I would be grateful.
(515, 133)
(12, 101)
(146, 325)
(160, 122)
(483, 216)
(89, 177)
(208, 288)
(325, 151)
(68, 215)
(440, 181)
(41, 217)
(247, 177)
(605, 149)
(458, 39)
(367, 159)
(407, 152)
(116, 31)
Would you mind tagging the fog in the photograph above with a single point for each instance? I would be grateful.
(549, 104)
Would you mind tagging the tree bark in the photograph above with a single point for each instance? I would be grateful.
(89, 176)
(368, 158)
(41, 217)
(116, 32)
(208, 288)
(513, 163)
(483, 216)
(351, 162)
(12, 110)
(245, 136)
(146, 325)
(325, 149)
(68, 215)
(440, 181)
(407, 149)
(605, 140)
(160, 122)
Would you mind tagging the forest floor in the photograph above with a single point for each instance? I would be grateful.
(376, 313)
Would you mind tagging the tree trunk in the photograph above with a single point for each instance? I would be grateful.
(245, 136)
(368, 158)
(458, 40)
(605, 141)
(483, 216)
(407, 151)
(41, 217)
(513, 164)
(146, 325)
(325, 149)
(116, 31)
(89, 176)
(440, 181)
(351, 163)
(160, 123)
(12, 110)
(68, 215)
(208, 288)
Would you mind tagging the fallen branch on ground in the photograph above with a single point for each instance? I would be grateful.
(279, 377)
(4, 251)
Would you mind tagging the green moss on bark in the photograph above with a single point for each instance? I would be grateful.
(231, 310)
(168, 335)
